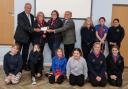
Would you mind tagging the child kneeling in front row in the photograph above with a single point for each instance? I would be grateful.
(58, 68)
(12, 65)
(36, 63)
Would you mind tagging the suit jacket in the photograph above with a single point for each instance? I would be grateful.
(24, 29)
(68, 32)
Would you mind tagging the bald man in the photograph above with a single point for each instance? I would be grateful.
(23, 32)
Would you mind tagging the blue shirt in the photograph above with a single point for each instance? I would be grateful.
(59, 64)
(105, 30)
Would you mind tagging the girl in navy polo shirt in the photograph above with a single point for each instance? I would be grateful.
(36, 63)
(115, 67)
(97, 66)
(12, 65)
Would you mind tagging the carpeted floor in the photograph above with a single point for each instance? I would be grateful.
(43, 83)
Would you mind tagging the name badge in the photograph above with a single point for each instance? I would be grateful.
(93, 60)
(101, 62)
(117, 30)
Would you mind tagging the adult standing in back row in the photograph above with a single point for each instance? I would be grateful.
(54, 39)
(23, 32)
(87, 37)
(115, 34)
(68, 33)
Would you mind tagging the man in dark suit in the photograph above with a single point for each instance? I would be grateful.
(23, 32)
(68, 33)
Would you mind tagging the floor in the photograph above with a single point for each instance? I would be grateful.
(43, 83)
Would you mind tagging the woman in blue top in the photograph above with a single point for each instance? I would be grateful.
(101, 32)
(58, 68)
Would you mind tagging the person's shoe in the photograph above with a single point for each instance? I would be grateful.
(38, 75)
(27, 68)
(33, 81)
(18, 76)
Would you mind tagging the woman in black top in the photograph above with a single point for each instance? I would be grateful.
(115, 67)
(54, 39)
(115, 34)
(87, 37)
(39, 37)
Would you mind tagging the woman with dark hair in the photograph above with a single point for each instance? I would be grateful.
(77, 68)
(115, 34)
(87, 36)
(101, 32)
(97, 66)
(115, 67)
(54, 39)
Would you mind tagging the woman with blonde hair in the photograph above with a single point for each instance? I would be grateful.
(87, 36)
(39, 37)
(58, 68)
(97, 66)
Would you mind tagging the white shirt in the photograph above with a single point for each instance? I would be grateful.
(29, 18)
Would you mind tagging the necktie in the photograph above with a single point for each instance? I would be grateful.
(101, 30)
(29, 18)
(115, 59)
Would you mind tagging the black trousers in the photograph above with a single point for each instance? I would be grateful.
(54, 44)
(76, 80)
(95, 83)
(24, 47)
(86, 49)
(42, 44)
(36, 68)
(51, 79)
(68, 48)
(117, 82)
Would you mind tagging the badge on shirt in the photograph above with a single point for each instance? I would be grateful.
(93, 60)
(119, 61)
(117, 30)
(101, 62)
(104, 30)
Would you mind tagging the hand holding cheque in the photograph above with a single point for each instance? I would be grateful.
(41, 29)
(50, 30)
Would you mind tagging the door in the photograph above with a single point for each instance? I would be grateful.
(121, 12)
(6, 22)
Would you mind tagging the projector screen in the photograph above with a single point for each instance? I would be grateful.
(79, 8)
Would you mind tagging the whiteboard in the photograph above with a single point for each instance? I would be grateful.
(79, 8)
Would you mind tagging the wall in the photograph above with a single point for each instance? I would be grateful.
(99, 8)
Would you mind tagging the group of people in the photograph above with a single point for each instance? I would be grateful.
(74, 64)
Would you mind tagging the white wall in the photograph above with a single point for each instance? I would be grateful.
(99, 8)
(104, 8)
(19, 7)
